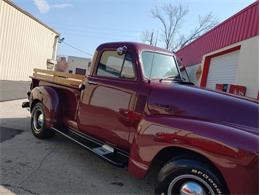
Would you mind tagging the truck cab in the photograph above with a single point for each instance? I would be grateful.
(115, 91)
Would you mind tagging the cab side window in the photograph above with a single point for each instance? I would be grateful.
(117, 66)
(128, 69)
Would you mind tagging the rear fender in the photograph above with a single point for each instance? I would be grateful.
(50, 100)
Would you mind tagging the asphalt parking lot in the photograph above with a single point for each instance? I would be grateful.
(12, 90)
(57, 165)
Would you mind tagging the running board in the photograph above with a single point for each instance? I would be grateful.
(112, 155)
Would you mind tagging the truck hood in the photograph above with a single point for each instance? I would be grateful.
(179, 100)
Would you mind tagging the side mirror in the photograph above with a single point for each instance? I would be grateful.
(121, 50)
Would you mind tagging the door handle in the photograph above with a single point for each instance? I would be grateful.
(92, 83)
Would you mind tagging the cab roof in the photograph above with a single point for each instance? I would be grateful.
(133, 45)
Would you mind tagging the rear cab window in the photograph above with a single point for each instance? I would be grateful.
(113, 65)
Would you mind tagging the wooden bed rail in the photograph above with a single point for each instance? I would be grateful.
(61, 78)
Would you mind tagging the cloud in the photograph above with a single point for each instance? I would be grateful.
(43, 6)
(61, 5)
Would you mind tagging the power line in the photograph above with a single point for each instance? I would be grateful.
(80, 50)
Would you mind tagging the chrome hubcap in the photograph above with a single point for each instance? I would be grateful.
(191, 188)
(38, 121)
(189, 185)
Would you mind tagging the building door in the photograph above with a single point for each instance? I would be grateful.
(222, 70)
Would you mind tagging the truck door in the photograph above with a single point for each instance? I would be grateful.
(109, 97)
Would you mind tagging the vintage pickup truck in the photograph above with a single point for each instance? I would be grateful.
(135, 109)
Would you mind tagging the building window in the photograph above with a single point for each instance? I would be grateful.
(81, 71)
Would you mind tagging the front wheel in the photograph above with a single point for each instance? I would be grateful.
(38, 125)
(189, 177)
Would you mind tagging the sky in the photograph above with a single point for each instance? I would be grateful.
(85, 24)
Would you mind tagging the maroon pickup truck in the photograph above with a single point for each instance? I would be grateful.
(135, 109)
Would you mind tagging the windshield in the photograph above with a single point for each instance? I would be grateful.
(157, 66)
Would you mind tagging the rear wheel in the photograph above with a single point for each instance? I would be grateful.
(189, 177)
(38, 124)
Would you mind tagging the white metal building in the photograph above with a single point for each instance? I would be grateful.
(78, 65)
(25, 43)
(73, 64)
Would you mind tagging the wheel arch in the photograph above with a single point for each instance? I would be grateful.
(50, 100)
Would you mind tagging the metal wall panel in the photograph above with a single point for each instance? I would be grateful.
(24, 43)
(241, 26)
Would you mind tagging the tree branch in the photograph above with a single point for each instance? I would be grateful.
(171, 18)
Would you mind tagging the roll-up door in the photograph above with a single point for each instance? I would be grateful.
(222, 69)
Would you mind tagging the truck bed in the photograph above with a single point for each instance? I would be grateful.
(60, 78)
(66, 85)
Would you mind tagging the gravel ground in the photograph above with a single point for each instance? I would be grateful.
(57, 165)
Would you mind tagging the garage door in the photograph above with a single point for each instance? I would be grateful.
(222, 69)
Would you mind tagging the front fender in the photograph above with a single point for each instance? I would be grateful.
(230, 150)
(50, 100)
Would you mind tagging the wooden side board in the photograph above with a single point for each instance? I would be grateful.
(61, 78)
